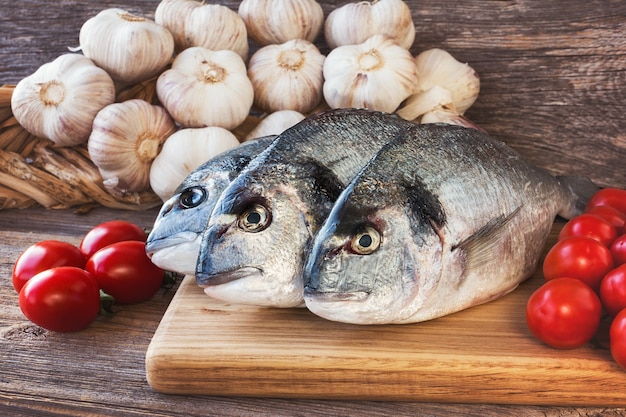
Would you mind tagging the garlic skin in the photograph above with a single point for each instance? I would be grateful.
(275, 124)
(212, 26)
(125, 139)
(353, 23)
(287, 76)
(444, 82)
(442, 115)
(130, 48)
(377, 74)
(206, 88)
(278, 21)
(183, 152)
(60, 100)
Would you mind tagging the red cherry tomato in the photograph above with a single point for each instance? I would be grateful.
(578, 257)
(125, 272)
(589, 225)
(45, 255)
(617, 336)
(614, 197)
(610, 214)
(618, 250)
(613, 290)
(62, 299)
(564, 313)
(110, 232)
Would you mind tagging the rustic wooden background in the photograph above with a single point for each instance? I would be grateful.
(553, 86)
(553, 73)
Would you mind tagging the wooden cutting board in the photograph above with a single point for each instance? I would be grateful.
(481, 355)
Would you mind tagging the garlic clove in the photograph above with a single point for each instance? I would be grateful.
(353, 23)
(60, 100)
(287, 76)
(278, 21)
(275, 124)
(212, 26)
(130, 48)
(183, 152)
(125, 139)
(377, 74)
(451, 117)
(436, 97)
(438, 71)
(206, 88)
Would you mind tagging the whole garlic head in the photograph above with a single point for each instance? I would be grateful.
(126, 138)
(353, 23)
(212, 26)
(183, 152)
(206, 88)
(130, 48)
(444, 83)
(60, 100)
(275, 124)
(377, 74)
(278, 21)
(287, 76)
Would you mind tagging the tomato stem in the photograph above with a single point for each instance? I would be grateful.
(106, 303)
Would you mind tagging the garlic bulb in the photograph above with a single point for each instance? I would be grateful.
(126, 138)
(183, 152)
(278, 21)
(275, 124)
(130, 48)
(442, 115)
(206, 88)
(444, 82)
(212, 26)
(377, 74)
(353, 23)
(60, 100)
(287, 76)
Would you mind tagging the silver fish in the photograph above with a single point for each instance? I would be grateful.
(442, 219)
(254, 248)
(174, 242)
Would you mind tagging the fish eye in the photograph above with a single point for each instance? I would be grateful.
(192, 197)
(366, 241)
(254, 219)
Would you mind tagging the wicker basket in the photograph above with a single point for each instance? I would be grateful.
(35, 172)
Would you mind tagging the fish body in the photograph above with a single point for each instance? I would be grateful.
(174, 242)
(441, 219)
(254, 248)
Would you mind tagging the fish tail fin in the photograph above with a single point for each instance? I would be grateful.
(581, 189)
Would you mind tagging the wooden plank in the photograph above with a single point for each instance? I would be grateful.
(484, 354)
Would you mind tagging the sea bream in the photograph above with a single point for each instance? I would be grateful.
(259, 233)
(174, 242)
(442, 219)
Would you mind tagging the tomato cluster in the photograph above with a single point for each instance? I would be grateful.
(585, 274)
(60, 285)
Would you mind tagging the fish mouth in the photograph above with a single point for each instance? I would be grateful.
(210, 280)
(158, 243)
(332, 296)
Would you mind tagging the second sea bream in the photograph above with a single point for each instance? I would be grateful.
(442, 219)
(260, 231)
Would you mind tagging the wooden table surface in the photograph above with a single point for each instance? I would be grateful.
(553, 80)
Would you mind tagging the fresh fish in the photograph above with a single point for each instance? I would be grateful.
(254, 248)
(174, 242)
(442, 219)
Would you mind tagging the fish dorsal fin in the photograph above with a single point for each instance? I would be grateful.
(479, 248)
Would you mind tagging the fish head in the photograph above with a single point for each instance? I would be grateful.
(370, 262)
(253, 249)
(174, 241)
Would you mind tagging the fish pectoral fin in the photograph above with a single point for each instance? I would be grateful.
(480, 248)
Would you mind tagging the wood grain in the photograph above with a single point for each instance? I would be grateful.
(552, 86)
(484, 354)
